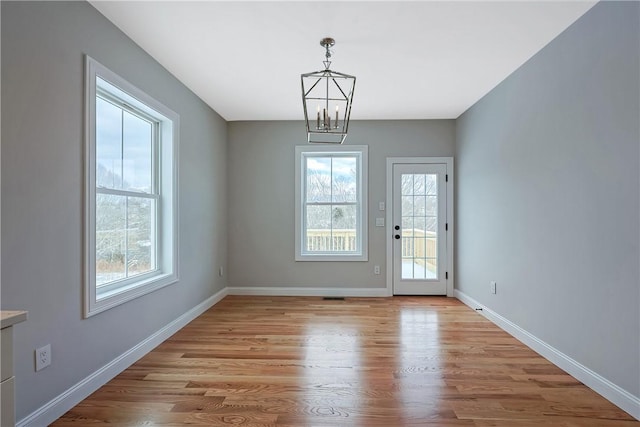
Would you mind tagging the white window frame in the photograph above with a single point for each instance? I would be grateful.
(165, 162)
(361, 152)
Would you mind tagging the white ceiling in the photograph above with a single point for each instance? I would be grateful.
(412, 60)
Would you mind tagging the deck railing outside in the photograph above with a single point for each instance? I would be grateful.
(344, 240)
(336, 240)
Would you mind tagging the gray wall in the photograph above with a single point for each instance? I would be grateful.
(261, 199)
(548, 193)
(42, 186)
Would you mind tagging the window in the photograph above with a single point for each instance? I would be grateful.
(331, 201)
(131, 200)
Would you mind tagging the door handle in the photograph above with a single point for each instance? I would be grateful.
(397, 227)
(397, 236)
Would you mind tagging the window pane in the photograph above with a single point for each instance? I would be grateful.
(343, 179)
(110, 238)
(318, 238)
(343, 217)
(344, 228)
(318, 179)
(108, 144)
(140, 235)
(329, 204)
(137, 135)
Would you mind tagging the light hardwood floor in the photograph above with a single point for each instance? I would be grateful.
(367, 362)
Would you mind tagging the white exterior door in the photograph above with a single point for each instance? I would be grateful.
(420, 229)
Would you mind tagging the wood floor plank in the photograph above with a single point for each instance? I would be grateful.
(361, 362)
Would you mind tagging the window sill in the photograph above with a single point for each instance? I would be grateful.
(332, 258)
(109, 299)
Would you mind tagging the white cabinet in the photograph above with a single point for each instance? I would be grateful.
(8, 408)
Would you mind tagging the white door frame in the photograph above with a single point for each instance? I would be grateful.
(448, 161)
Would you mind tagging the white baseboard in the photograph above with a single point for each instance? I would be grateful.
(610, 391)
(307, 292)
(56, 407)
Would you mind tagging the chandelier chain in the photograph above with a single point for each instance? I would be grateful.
(327, 42)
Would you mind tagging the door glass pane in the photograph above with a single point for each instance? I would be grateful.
(430, 224)
(418, 246)
(419, 271)
(419, 185)
(407, 257)
(431, 206)
(431, 268)
(431, 184)
(407, 226)
(406, 184)
(419, 206)
(407, 206)
(419, 226)
(431, 251)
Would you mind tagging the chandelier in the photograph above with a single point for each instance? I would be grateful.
(329, 95)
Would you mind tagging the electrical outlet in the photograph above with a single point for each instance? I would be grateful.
(43, 357)
(493, 287)
(381, 206)
(376, 269)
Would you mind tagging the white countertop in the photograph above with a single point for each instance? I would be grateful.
(11, 317)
